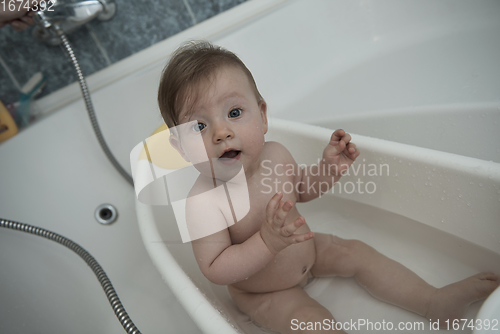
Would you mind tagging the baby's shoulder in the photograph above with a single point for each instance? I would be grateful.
(277, 152)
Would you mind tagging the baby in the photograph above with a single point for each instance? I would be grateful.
(267, 257)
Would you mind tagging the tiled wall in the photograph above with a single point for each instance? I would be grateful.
(136, 25)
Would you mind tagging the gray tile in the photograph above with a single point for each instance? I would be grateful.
(16, 49)
(25, 57)
(204, 9)
(140, 24)
(8, 92)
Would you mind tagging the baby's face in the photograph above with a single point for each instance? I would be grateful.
(230, 121)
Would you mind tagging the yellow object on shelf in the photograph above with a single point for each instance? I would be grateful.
(165, 155)
(8, 127)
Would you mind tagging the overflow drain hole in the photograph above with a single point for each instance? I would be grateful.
(106, 214)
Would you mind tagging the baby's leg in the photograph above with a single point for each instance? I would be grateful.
(392, 282)
(277, 310)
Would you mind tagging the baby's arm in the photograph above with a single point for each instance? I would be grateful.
(224, 263)
(338, 156)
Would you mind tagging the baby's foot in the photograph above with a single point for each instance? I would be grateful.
(451, 301)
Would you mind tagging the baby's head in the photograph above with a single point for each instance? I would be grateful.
(191, 66)
(209, 100)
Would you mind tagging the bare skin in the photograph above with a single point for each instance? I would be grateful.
(268, 256)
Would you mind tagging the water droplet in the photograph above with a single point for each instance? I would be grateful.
(468, 204)
(480, 184)
(442, 198)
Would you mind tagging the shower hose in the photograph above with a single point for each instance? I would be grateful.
(113, 299)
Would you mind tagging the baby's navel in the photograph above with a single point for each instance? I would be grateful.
(304, 270)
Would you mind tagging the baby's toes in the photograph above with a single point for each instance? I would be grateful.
(485, 284)
(487, 276)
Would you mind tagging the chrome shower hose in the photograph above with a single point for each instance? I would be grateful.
(90, 106)
(117, 306)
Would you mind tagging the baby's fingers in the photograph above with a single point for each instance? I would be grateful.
(290, 229)
(280, 216)
(337, 135)
(273, 206)
(352, 151)
(297, 238)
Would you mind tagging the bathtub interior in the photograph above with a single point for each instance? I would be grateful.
(390, 73)
(445, 87)
(437, 247)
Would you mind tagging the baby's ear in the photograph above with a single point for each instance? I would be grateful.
(263, 113)
(174, 141)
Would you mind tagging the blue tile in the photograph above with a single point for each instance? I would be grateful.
(204, 9)
(25, 56)
(8, 92)
(140, 24)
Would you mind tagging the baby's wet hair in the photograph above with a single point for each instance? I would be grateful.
(191, 64)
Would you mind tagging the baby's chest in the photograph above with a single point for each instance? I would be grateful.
(260, 193)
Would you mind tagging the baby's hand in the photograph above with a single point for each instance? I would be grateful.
(340, 152)
(276, 235)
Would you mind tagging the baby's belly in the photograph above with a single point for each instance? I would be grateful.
(289, 268)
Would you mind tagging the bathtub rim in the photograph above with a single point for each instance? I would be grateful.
(443, 159)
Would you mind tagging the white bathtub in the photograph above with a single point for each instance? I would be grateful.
(362, 65)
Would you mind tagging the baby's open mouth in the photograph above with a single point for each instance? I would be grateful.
(230, 154)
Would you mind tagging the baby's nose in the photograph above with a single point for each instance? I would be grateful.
(223, 132)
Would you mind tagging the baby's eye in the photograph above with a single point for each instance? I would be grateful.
(198, 127)
(235, 113)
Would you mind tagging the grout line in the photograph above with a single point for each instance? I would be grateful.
(99, 45)
(190, 12)
(9, 73)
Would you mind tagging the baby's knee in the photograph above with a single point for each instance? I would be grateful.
(359, 247)
(352, 253)
(347, 247)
